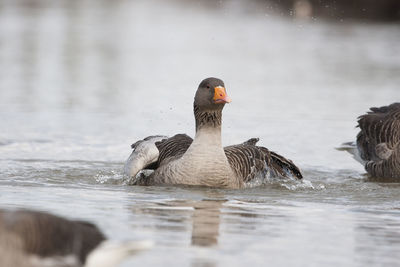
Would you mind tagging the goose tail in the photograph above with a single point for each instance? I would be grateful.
(351, 147)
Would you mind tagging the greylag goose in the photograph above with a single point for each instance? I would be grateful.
(378, 143)
(36, 239)
(203, 161)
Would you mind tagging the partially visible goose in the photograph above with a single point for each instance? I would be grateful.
(37, 239)
(378, 142)
(203, 161)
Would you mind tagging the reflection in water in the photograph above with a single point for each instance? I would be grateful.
(165, 216)
(205, 228)
(177, 215)
(203, 262)
(206, 221)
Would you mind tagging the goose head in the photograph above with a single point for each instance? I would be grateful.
(211, 95)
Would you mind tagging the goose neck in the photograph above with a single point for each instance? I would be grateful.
(208, 119)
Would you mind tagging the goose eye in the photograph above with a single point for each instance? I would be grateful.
(208, 87)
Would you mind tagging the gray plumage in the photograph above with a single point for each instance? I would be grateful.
(378, 142)
(249, 161)
(45, 235)
(37, 239)
(203, 160)
(172, 148)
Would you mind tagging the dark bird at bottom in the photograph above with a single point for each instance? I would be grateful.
(38, 239)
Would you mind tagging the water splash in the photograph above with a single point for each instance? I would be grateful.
(302, 184)
(110, 177)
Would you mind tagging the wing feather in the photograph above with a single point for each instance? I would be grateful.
(172, 148)
(380, 147)
(380, 125)
(248, 161)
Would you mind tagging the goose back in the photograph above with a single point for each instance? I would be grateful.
(378, 140)
(47, 235)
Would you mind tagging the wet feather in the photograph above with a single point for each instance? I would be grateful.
(378, 141)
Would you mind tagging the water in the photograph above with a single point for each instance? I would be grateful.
(81, 80)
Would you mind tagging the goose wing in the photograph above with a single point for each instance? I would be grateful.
(284, 167)
(153, 151)
(248, 160)
(379, 139)
(172, 148)
(379, 132)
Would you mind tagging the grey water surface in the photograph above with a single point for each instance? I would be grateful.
(82, 80)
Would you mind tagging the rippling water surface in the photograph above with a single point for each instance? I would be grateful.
(81, 80)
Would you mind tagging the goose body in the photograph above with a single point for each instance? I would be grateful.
(203, 160)
(378, 142)
(38, 239)
(203, 163)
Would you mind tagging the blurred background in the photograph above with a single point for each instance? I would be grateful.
(80, 80)
(94, 76)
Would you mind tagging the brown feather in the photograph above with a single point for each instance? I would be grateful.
(249, 160)
(246, 161)
(172, 148)
(378, 141)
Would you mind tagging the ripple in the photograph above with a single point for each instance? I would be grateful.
(110, 177)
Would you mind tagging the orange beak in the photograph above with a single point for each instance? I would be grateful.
(220, 95)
